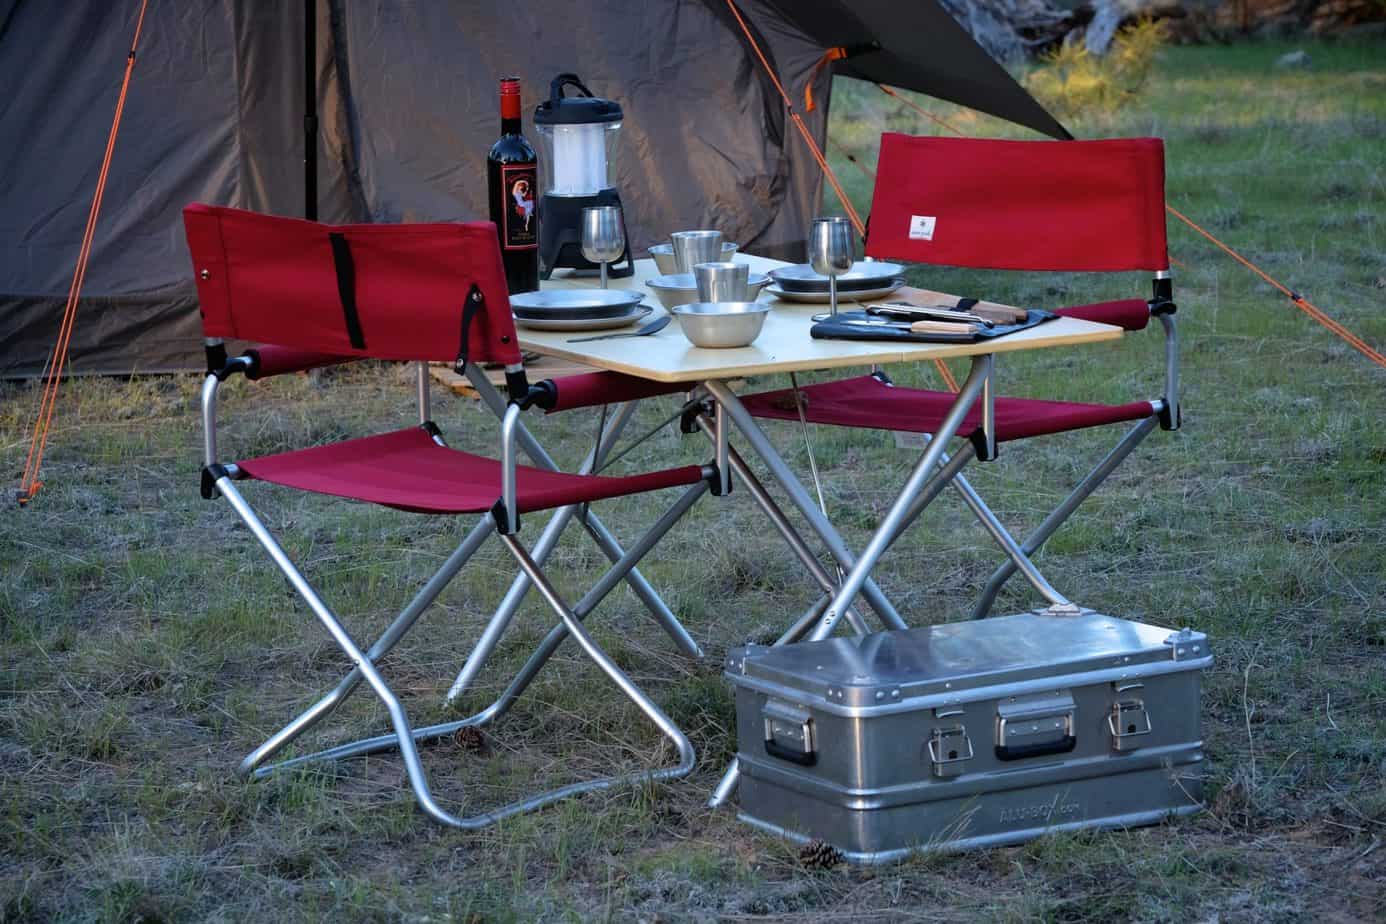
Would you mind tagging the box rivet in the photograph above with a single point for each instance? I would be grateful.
(880, 694)
(894, 694)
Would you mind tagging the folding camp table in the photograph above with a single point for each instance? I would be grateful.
(785, 346)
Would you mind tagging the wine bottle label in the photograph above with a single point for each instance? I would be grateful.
(520, 213)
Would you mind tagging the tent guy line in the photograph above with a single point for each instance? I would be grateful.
(29, 483)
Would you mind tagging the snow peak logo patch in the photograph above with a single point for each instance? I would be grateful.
(922, 227)
(1044, 811)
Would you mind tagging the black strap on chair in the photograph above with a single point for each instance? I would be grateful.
(474, 303)
(346, 287)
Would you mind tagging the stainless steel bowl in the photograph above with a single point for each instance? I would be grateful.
(719, 325)
(664, 257)
(682, 288)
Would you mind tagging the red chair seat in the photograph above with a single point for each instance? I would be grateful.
(407, 470)
(867, 402)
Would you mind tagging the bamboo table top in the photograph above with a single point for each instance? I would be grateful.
(784, 345)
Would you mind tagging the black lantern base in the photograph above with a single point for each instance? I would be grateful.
(560, 234)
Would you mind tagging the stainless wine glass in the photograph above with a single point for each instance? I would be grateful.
(832, 250)
(603, 235)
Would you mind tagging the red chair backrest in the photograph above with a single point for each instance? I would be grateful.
(1023, 205)
(276, 280)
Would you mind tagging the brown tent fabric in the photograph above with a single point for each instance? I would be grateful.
(407, 106)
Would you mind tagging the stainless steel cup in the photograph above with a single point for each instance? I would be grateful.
(831, 251)
(694, 247)
(603, 235)
(723, 282)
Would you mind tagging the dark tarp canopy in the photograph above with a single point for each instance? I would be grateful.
(407, 101)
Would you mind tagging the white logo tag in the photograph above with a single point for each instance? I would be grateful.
(922, 227)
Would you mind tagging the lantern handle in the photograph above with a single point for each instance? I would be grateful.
(567, 80)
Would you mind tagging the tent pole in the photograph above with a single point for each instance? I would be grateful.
(310, 110)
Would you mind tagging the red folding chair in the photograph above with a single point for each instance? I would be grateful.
(1017, 205)
(313, 295)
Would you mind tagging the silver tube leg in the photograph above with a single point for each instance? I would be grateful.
(613, 671)
(418, 779)
(819, 523)
(541, 655)
(805, 622)
(392, 634)
(424, 409)
(720, 441)
(548, 540)
(895, 518)
(1062, 512)
(890, 528)
(1017, 557)
(725, 786)
(781, 522)
(605, 541)
(405, 737)
(500, 620)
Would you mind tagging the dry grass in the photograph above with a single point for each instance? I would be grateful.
(147, 645)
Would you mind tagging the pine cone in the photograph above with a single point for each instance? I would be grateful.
(818, 855)
(470, 738)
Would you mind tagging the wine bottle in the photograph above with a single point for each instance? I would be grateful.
(513, 183)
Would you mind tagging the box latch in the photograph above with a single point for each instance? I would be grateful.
(949, 749)
(1128, 721)
(789, 732)
(1033, 726)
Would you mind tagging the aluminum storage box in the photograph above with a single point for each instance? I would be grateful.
(969, 734)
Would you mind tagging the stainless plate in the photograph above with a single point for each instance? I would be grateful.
(821, 298)
(633, 313)
(864, 274)
(574, 304)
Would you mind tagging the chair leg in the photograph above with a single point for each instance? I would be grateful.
(1015, 556)
(1061, 513)
(800, 497)
(786, 529)
(396, 630)
(613, 671)
(418, 778)
(594, 526)
(926, 480)
(531, 668)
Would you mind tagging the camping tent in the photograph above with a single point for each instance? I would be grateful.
(407, 102)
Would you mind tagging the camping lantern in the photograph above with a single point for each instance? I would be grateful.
(578, 135)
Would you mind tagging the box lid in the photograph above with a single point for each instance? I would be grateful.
(890, 668)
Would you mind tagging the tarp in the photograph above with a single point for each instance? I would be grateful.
(408, 110)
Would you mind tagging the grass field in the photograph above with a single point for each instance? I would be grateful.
(147, 646)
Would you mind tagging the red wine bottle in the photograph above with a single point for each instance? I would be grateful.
(513, 182)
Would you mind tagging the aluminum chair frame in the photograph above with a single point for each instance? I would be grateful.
(1164, 410)
(405, 737)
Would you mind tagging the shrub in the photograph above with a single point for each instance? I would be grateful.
(1071, 80)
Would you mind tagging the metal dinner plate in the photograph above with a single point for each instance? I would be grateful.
(822, 298)
(574, 304)
(632, 314)
(864, 274)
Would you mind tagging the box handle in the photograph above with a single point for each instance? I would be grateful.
(789, 732)
(1022, 751)
(802, 758)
